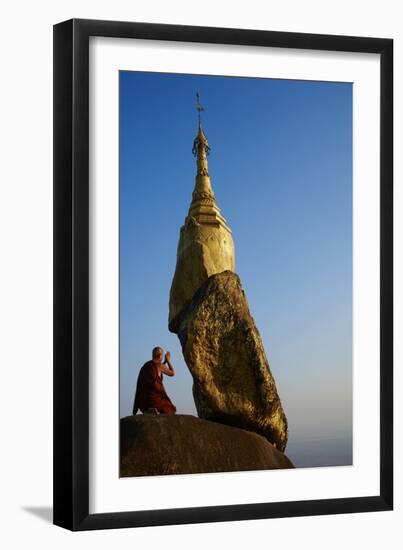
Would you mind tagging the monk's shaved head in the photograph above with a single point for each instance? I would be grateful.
(157, 352)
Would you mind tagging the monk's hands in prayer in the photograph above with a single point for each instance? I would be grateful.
(169, 369)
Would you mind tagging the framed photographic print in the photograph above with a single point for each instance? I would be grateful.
(223, 274)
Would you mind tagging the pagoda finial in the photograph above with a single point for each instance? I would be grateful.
(199, 107)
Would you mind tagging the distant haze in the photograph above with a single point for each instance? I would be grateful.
(281, 170)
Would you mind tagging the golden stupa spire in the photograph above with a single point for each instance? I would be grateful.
(205, 244)
(200, 150)
(203, 206)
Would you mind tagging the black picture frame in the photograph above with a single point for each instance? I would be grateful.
(71, 274)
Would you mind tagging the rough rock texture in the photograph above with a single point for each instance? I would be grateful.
(232, 382)
(203, 250)
(184, 444)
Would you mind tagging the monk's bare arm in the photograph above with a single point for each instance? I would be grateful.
(167, 367)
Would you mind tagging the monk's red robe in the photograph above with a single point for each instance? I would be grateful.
(150, 391)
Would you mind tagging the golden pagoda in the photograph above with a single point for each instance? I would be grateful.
(205, 243)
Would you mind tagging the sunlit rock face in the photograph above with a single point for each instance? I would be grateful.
(232, 381)
(205, 244)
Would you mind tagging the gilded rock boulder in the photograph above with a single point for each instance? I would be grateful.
(232, 381)
(203, 250)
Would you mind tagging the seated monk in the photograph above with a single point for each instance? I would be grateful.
(150, 391)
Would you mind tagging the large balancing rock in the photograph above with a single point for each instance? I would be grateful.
(232, 381)
(183, 444)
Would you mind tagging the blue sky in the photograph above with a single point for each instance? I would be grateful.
(281, 169)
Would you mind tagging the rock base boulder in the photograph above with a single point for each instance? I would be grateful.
(184, 444)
